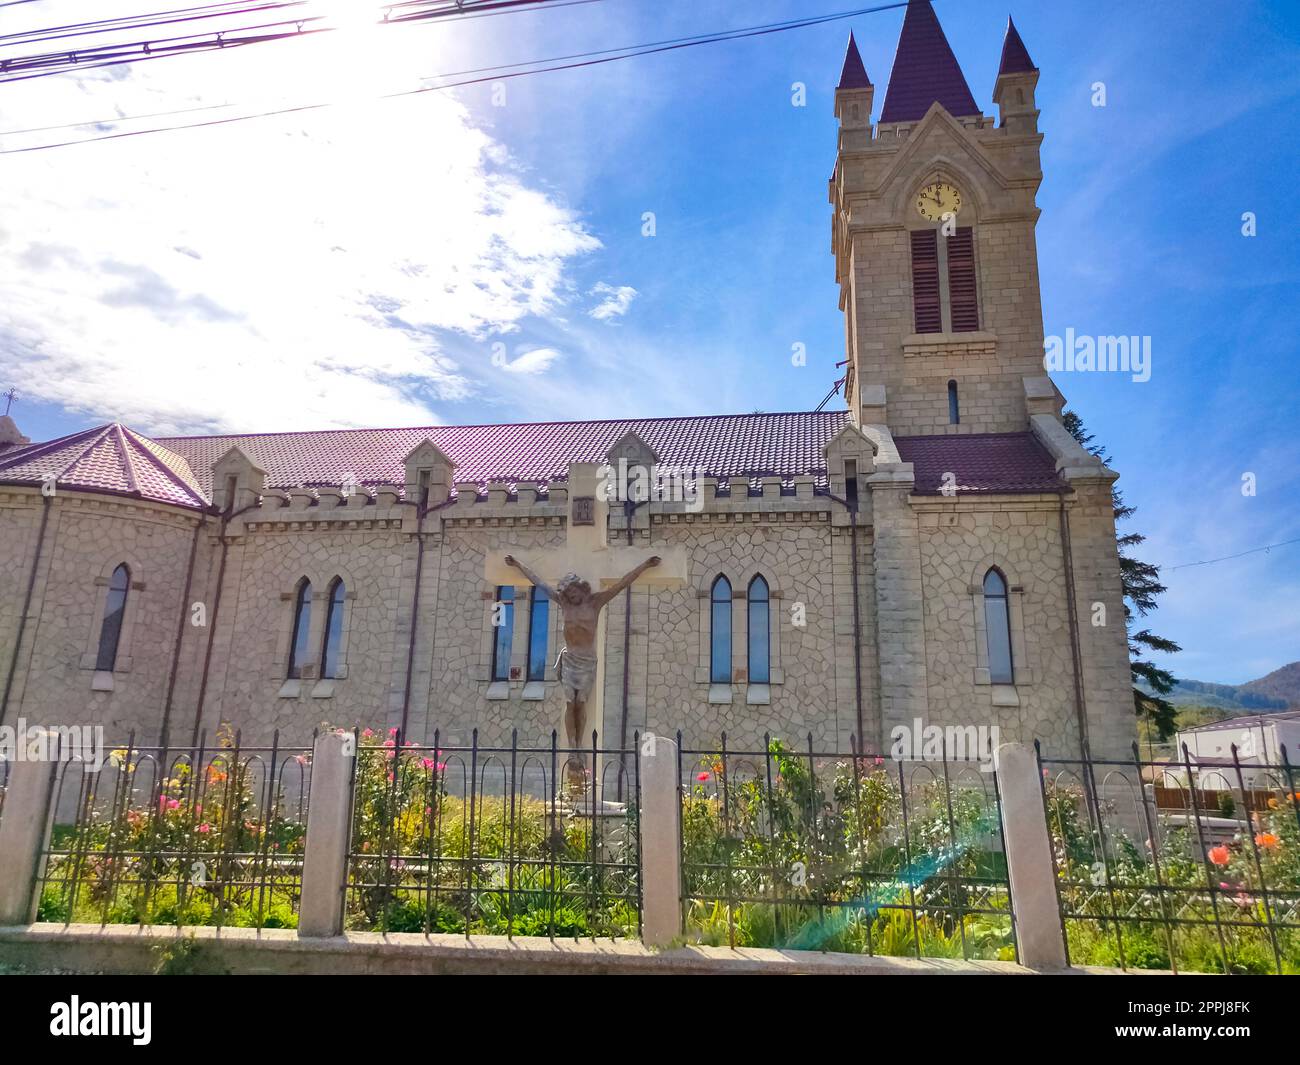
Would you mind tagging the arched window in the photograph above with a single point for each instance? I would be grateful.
(539, 614)
(110, 633)
(997, 627)
(503, 622)
(301, 627)
(332, 646)
(760, 632)
(720, 632)
(954, 411)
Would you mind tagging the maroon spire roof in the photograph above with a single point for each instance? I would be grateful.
(1015, 56)
(925, 71)
(854, 74)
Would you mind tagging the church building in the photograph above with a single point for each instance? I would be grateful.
(941, 551)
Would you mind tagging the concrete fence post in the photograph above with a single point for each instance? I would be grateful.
(661, 860)
(23, 829)
(1039, 931)
(329, 830)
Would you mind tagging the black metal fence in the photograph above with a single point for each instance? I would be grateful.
(1177, 865)
(4, 785)
(511, 840)
(804, 849)
(203, 835)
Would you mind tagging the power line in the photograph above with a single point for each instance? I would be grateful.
(153, 18)
(44, 64)
(220, 107)
(1239, 554)
(702, 38)
(835, 391)
(503, 73)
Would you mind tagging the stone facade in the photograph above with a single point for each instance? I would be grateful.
(917, 632)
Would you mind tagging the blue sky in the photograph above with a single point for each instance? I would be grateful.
(357, 265)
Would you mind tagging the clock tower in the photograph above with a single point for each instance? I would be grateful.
(933, 236)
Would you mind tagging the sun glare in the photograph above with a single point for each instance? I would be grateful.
(349, 15)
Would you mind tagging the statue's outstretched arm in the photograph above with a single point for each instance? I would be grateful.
(605, 596)
(537, 581)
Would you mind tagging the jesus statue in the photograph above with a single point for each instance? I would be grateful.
(576, 668)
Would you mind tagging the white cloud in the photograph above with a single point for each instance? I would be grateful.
(616, 302)
(281, 273)
(537, 361)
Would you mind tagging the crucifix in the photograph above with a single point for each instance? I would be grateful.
(581, 578)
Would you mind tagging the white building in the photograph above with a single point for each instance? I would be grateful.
(1258, 740)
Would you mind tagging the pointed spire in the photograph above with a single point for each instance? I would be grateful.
(1015, 56)
(854, 74)
(925, 71)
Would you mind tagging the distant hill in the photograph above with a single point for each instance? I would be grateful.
(1282, 684)
(1277, 691)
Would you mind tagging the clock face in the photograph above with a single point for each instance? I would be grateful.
(937, 199)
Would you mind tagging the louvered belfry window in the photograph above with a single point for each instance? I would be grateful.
(925, 281)
(962, 302)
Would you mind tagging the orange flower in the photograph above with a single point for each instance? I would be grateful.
(1267, 840)
(1219, 855)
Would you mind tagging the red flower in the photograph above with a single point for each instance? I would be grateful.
(702, 777)
(1219, 855)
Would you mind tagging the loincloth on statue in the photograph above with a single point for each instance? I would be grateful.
(577, 674)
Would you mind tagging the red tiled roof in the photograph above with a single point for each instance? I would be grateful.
(110, 458)
(732, 447)
(1015, 56)
(925, 71)
(722, 446)
(991, 463)
(854, 73)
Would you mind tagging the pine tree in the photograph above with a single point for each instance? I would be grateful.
(1142, 587)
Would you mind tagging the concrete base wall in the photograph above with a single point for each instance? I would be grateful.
(130, 950)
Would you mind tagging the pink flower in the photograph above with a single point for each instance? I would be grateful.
(392, 731)
(442, 766)
(205, 828)
(702, 776)
(367, 734)
(428, 763)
